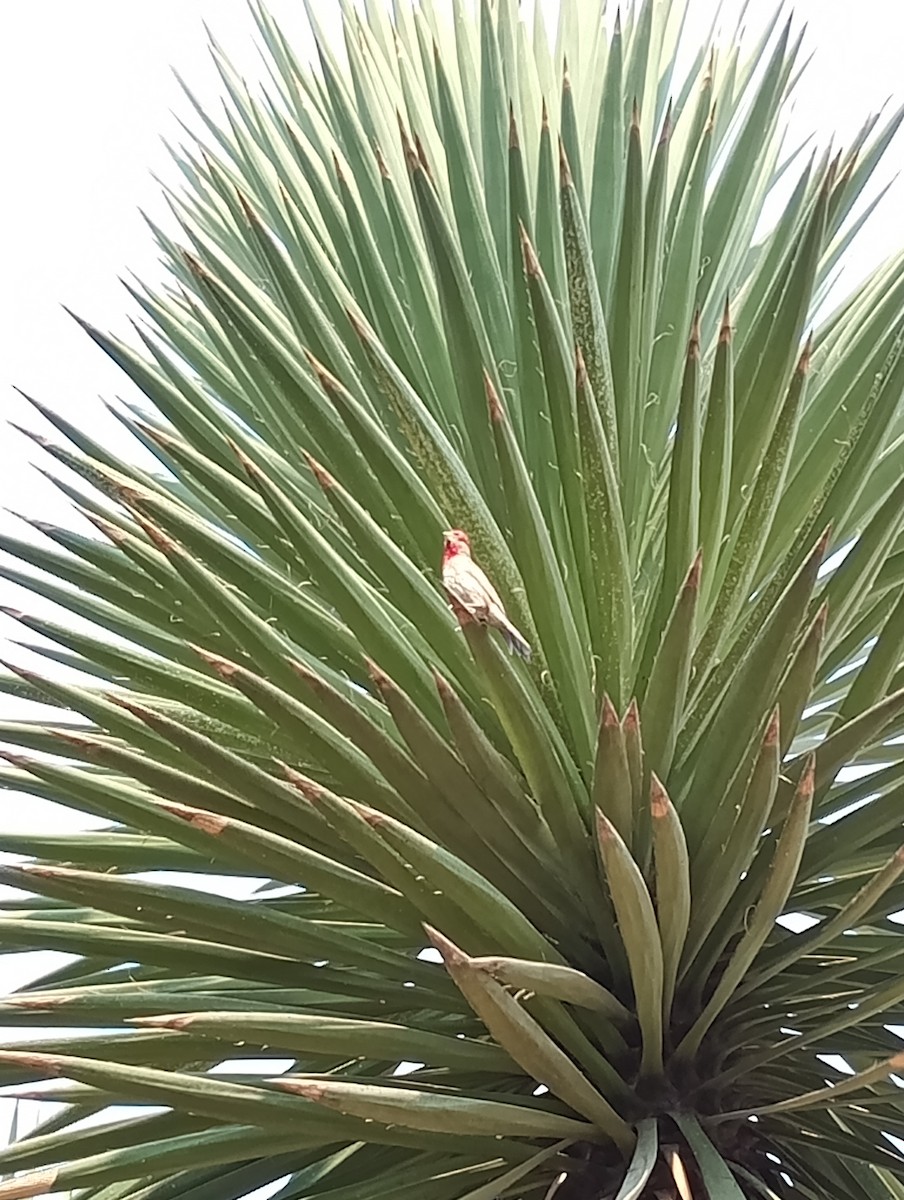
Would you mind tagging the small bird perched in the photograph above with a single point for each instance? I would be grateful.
(472, 595)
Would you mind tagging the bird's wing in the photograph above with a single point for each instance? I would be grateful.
(472, 589)
(466, 583)
(495, 607)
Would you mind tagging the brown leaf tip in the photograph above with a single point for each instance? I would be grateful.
(301, 1087)
(803, 363)
(692, 583)
(35, 1004)
(819, 550)
(129, 705)
(88, 746)
(370, 816)
(725, 327)
(831, 174)
(666, 131)
(42, 872)
(158, 436)
(422, 158)
(163, 543)
(320, 473)
(35, 1183)
(194, 265)
(381, 161)
(46, 1063)
(443, 687)
(772, 730)
(659, 800)
(250, 214)
(222, 666)
(494, 404)
(631, 723)
(580, 369)
(304, 672)
(210, 823)
(635, 117)
(377, 675)
(531, 262)
(359, 325)
(116, 535)
(165, 1021)
(325, 377)
(407, 148)
(693, 346)
(822, 617)
(514, 142)
(807, 777)
(604, 827)
(544, 116)
(307, 787)
(608, 714)
(244, 461)
(451, 954)
(565, 176)
(17, 760)
(23, 672)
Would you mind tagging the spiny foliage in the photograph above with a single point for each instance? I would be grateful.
(458, 274)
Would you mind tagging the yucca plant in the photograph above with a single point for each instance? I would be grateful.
(459, 273)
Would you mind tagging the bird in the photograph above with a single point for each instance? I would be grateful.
(472, 596)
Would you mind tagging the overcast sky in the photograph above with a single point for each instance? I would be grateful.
(86, 94)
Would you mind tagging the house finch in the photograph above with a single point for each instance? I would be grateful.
(472, 595)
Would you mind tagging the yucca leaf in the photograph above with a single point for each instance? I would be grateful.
(776, 888)
(548, 225)
(663, 699)
(639, 931)
(334, 1036)
(588, 325)
(394, 1107)
(612, 616)
(527, 1042)
(558, 373)
(606, 196)
(494, 774)
(673, 886)
(558, 627)
(717, 1177)
(613, 790)
(759, 669)
(683, 504)
(556, 981)
(797, 686)
(846, 918)
(288, 861)
(744, 548)
(627, 302)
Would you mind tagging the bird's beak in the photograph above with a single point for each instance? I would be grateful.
(447, 533)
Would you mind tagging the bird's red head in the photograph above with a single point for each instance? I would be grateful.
(455, 541)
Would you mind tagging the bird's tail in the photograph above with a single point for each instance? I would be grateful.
(515, 642)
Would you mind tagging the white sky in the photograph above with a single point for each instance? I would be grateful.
(87, 91)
